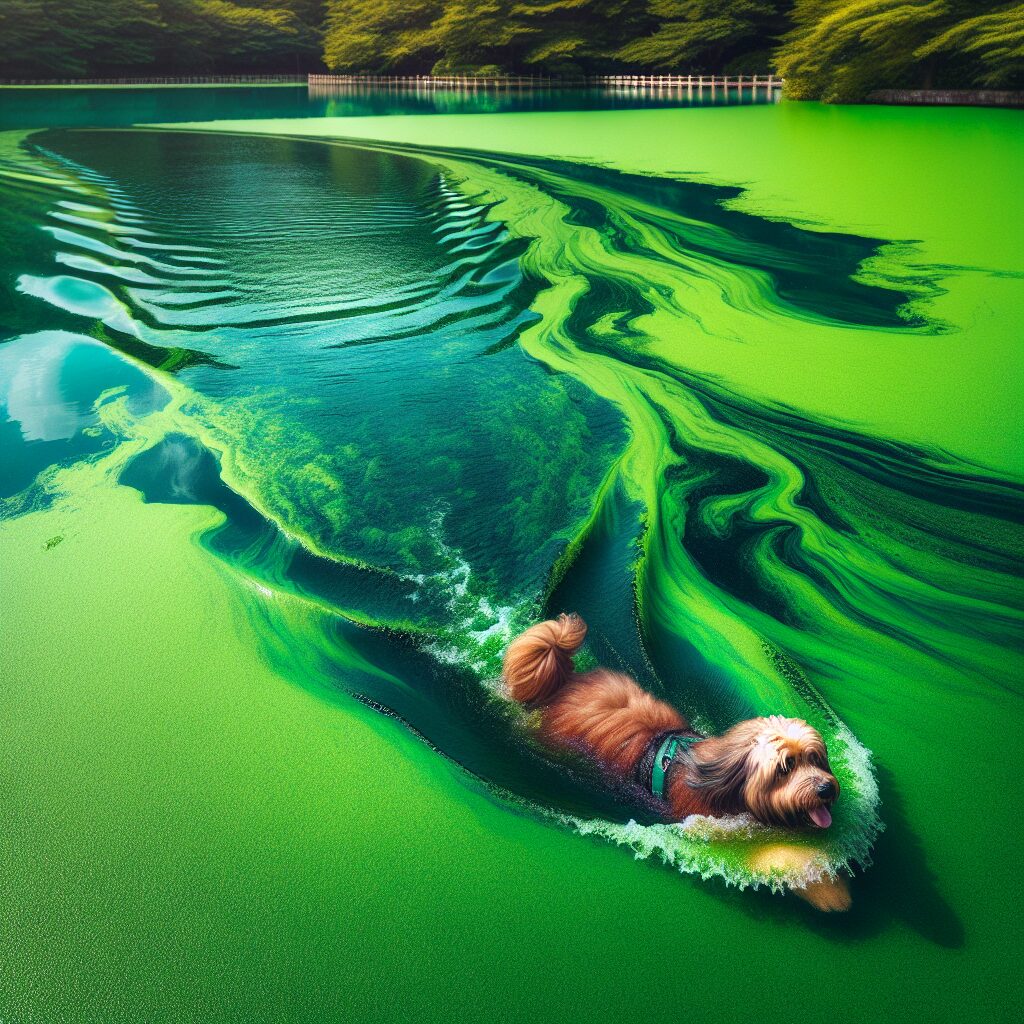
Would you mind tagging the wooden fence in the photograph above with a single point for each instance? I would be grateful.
(674, 82)
(438, 81)
(626, 82)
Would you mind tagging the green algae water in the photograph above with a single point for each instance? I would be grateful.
(304, 417)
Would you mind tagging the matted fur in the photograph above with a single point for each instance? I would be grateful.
(775, 768)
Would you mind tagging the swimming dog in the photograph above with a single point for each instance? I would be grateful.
(775, 769)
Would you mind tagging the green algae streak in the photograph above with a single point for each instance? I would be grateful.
(934, 181)
(787, 535)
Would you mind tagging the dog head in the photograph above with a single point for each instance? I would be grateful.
(776, 768)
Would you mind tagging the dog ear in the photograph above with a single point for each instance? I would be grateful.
(724, 773)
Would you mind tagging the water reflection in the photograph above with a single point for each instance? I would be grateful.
(352, 99)
(112, 107)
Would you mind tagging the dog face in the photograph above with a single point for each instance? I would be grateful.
(789, 781)
(776, 768)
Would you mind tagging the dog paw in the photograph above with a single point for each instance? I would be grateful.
(830, 896)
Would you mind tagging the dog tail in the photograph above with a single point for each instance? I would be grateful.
(539, 661)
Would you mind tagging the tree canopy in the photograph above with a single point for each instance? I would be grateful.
(82, 38)
(829, 49)
(842, 49)
(694, 32)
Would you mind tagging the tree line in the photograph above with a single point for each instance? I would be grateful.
(829, 49)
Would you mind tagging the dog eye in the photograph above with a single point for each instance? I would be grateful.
(814, 760)
(784, 766)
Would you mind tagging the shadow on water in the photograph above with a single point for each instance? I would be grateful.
(898, 887)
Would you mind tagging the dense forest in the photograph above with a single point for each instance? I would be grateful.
(831, 49)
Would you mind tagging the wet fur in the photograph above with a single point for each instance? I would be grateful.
(772, 768)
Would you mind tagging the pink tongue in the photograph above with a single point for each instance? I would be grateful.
(821, 817)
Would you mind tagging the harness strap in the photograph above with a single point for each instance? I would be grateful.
(666, 753)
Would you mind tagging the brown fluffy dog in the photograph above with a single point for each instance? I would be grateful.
(775, 769)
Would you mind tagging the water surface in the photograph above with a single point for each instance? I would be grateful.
(31, 107)
(382, 402)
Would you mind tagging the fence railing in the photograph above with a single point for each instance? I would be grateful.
(437, 81)
(169, 80)
(545, 82)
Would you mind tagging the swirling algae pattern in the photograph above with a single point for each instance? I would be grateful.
(739, 555)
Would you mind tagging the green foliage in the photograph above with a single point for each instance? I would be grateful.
(370, 35)
(826, 49)
(74, 37)
(582, 35)
(215, 35)
(82, 38)
(833, 49)
(701, 34)
(995, 40)
(842, 49)
(473, 36)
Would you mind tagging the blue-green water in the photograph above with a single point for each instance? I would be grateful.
(25, 107)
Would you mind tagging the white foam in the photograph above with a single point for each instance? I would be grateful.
(725, 847)
(466, 604)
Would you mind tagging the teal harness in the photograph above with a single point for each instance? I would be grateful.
(663, 759)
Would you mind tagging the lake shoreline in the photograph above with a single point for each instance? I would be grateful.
(1008, 99)
(947, 98)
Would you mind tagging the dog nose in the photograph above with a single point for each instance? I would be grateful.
(826, 789)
